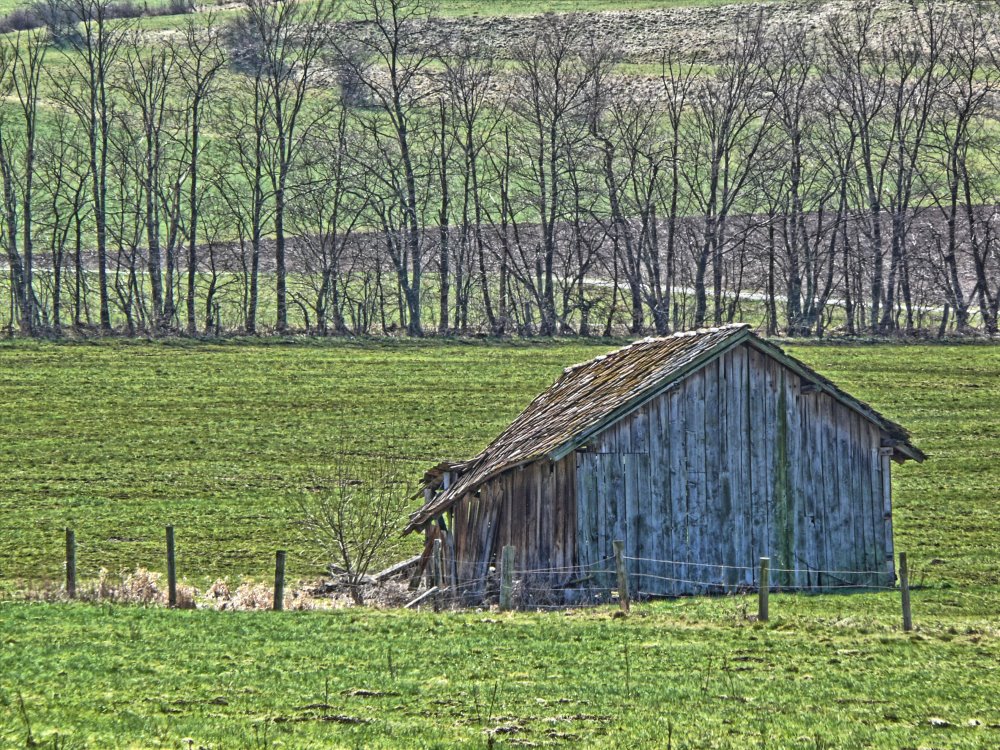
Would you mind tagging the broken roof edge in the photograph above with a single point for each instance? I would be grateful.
(649, 340)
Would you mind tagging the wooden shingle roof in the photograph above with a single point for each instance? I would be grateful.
(592, 395)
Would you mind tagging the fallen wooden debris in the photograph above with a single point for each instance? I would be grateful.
(393, 570)
(423, 597)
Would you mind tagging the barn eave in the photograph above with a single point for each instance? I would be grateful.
(894, 435)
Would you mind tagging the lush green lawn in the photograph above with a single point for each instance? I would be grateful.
(827, 672)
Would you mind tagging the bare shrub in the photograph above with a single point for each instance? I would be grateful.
(178, 7)
(61, 18)
(20, 19)
(355, 519)
(103, 588)
(187, 596)
(143, 587)
(219, 591)
(253, 596)
(301, 601)
(125, 9)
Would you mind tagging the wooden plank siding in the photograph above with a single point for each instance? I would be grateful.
(731, 463)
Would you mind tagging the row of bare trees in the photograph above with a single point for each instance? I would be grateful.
(322, 167)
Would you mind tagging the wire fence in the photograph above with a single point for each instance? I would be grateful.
(475, 583)
(463, 582)
(452, 582)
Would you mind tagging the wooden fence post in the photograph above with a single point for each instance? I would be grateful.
(438, 557)
(71, 563)
(171, 569)
(622, 571)
(763, 589)
(279, 580)
(507, 578)
(904, 588)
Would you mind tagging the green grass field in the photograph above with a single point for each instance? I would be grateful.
(829, 672)
(118, 439)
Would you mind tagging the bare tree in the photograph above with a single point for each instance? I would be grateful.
(283, 43)
(20, 75)
(729, 124)
(326, 213)
(918, 43)
(842, 169)
(552, 97)
(200, 59)
(388, 59)
(145, 82)
(356, 515)
(90, 55)
(959, 128)
(62, 169)
(476, 109)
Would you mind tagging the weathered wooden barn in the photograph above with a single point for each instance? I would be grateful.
(703, 451)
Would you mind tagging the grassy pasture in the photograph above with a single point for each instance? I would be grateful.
(119, 438)
(828, 672)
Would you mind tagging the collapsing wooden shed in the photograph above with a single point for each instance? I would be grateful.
(702, 451)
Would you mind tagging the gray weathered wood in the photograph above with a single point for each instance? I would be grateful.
(741, 498)
(171, 569)
(279, 580)
(728, 470)
(647, 527)
(438, 558)
(714, 545)
(697, 481)
(763, 589)
(432, 591)
(678, 494)
(884, 457)
(621, 571)
(396, 569)
(631, 500)
(659, 523)
(904, 590)
(71, 563)
(507, 578)
(758, 472)
(584, 498)
(783, 513)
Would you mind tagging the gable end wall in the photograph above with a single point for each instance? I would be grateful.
(731, 464)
